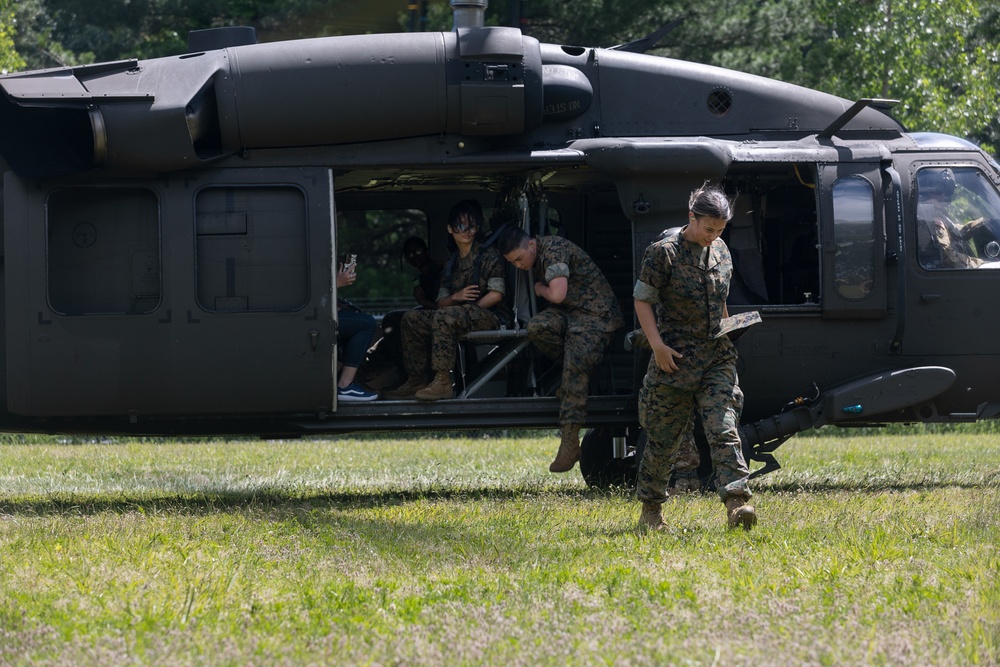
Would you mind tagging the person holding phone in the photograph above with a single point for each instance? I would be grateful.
(355, 329)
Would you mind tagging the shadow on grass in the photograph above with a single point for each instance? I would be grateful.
(271, 499)
(278, 499)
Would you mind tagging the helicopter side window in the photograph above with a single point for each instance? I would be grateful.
(958, 219)
(854, 237)
(103, 251)
(251, 249)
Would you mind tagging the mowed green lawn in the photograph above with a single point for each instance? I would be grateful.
(466, 551)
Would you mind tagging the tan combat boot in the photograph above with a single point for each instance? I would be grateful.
(408, 388)
(652, 516)
(569, 450)
(739, 514)
(440, 387)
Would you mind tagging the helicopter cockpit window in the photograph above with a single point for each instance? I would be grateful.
(854, 237)
(103, 251)
(251, 248)
(958, 219)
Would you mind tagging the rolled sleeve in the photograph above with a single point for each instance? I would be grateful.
(645, 292)
(497, 285)
(560, 270)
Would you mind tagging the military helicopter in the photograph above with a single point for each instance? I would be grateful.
(170, 233)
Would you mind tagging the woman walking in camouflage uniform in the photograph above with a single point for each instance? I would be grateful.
(688, 275)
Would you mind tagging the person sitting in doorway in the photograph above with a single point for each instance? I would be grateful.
(470, 298)
(355, 331)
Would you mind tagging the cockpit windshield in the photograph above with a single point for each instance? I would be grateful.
(958, 219)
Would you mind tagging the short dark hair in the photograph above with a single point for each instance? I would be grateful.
(511, 239)
(409, 246)
(469, 208)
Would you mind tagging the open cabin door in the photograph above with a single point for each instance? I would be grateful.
(201, 293)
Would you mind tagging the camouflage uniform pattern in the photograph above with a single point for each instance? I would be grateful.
(442, 328)
(687, 459)
(691, 297)
(576, 331)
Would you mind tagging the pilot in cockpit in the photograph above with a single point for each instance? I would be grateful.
(942, 242)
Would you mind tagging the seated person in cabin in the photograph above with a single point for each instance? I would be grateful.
(384, 366)
(470, 298)
(582, 316)
(417, 255)
(355, 331)
(942, 242)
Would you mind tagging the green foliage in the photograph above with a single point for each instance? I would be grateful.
(9, 58)
(67, 32)
(770, 38)
(926, 53)
(595, 22)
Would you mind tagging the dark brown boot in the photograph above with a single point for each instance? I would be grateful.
(408, 388)
(440, 387)
(569, 450)
(739, 514)
(652, 516)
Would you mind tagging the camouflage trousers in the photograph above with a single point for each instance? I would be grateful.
(435, 334)
(668, 403)
(552, 332)
(687, 458)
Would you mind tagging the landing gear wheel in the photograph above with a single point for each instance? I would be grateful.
(598, 465)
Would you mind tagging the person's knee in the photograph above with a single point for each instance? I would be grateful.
(538, 330)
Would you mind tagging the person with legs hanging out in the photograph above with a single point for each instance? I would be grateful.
(579, 321)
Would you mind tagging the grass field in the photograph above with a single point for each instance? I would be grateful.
(466, 551)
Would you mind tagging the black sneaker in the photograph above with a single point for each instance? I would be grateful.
(353, 392)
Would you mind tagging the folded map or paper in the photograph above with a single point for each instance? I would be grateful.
(736, 325)
(733, 326)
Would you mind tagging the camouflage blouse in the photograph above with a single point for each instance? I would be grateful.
(689, 285)
(491, 267)
(589, 301)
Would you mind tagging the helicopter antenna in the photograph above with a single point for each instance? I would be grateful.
(644, 44)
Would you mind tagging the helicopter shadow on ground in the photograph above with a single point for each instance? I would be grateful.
(281, 501)
(277, 500)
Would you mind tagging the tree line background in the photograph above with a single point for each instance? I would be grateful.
(940, 58)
